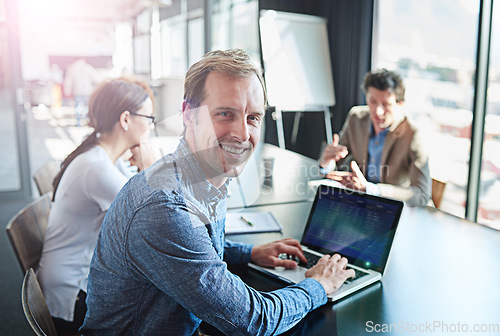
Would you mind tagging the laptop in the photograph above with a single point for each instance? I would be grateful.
(356, 225)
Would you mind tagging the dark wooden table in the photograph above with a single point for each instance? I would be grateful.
(443, 275)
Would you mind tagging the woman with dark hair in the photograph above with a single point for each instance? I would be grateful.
(121, 113)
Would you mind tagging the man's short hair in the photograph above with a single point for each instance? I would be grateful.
(232, 62)
(385, 80)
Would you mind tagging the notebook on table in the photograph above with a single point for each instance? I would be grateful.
(356, 225)
(251, 222)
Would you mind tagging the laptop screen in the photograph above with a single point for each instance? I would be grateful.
(358, 226)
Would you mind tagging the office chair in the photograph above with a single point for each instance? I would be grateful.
(45, 175)
(34, 306)
(26, 232)
(437, 192)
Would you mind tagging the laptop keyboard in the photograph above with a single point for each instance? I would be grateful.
(358, 274)
(312, 259)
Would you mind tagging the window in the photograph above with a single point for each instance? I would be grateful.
(489, 193)
(142, 43)
(196, 42)
(235, 25)
(182, 34)
(436, 55)
(10, 179)
(173, 46)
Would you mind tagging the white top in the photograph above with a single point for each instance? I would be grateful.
(85, 192)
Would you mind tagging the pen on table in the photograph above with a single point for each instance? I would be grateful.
(246, 221)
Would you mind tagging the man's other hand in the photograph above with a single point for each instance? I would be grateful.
(267, 255)
(355, 180)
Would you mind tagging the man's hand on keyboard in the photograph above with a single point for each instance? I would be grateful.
(268, 255)
(330, 272)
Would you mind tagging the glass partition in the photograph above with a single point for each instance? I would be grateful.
(432, 44)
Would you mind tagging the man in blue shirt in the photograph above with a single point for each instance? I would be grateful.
(380, 146)
(159, 266)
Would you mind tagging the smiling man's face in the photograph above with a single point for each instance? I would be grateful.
(224, 130)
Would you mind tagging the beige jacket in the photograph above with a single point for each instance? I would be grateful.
(404, 163)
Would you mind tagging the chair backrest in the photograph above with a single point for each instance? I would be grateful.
(437, 192)
(26, 232)
(34, 306)
(45, 175)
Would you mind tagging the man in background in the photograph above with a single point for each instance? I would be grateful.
(79, 83)
(379, 150)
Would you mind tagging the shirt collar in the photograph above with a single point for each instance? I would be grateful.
(382, 133)
(193, 175)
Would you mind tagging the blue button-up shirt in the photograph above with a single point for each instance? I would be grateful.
(375, 147)
(159, 266)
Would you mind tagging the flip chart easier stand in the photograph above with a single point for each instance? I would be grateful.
(297, 67)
